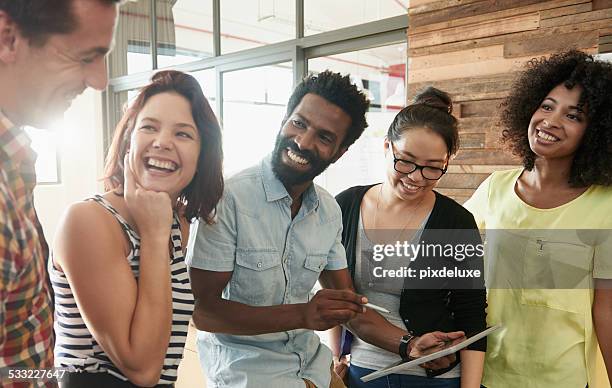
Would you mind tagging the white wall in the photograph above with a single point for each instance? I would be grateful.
(79, 140)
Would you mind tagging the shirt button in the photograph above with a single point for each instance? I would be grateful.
(259, 265)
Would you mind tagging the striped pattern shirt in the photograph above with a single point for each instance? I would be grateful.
(26, 320)
(75, 346)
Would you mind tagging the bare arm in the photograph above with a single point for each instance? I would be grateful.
(116, 307)
(472, 365)
(602, 317)
(217, 315)
(91, 250)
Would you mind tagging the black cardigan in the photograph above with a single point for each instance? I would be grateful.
(427, 310)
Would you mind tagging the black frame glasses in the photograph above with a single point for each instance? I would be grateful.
(412, 166)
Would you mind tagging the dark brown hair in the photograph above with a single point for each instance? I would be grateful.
(592, 162)
(201, 196)
(37, 19)
(431, 108)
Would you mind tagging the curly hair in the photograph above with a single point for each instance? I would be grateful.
(592, 162)
(338, 90)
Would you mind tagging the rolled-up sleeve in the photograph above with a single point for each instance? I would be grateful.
(212, 247)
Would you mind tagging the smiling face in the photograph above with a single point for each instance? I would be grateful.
(558, 125)
(165, 144)
(44, 80)
(310, 140)
(423, 147)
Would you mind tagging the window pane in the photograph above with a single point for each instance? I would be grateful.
(184, 31)
(44, 143)
(252, 115)
(206, 79)
(247, 24)
(381, 73)
(325, 15)
(132, 51)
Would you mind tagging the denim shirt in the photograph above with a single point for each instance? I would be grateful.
(275, 260)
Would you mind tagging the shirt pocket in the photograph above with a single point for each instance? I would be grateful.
(556, 274)
(314, 265)
(258, 278)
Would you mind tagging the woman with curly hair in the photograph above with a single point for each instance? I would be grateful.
(549, 274)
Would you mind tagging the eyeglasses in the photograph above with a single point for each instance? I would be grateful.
(406, 167)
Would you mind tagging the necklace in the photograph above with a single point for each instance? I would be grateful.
(407, 222)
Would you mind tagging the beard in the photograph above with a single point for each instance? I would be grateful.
(286, 174)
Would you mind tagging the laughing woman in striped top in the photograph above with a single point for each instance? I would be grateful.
(123, 298)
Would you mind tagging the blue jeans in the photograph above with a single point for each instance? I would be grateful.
(398, 381)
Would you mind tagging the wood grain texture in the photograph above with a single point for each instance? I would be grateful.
(605, 48)
(502, 39)
(481, 87)
(544, 45)
(484, 67)
(484, 156)
(564, 11)
(478, 169)
(461, 181)
(601, 4)
(474, 31)
(472, 140)
(479, 108)
(467, 10)
(457, 57)
(577, 18)
(456, 22)
(423, 6)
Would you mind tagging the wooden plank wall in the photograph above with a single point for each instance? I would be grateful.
(472, 49)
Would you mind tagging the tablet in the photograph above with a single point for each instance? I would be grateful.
(404, 365)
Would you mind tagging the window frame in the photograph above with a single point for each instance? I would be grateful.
(298, 51)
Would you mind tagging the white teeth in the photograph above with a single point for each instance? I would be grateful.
(546, 136)
(166, 165)
(296, 158)
(410, 187)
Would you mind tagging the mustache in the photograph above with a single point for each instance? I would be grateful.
(308, 155)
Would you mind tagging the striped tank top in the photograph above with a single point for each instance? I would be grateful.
(76, 348)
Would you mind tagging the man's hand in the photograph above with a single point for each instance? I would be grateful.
(433, 342)
(329, 308)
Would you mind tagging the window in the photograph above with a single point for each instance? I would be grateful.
(249, 55)
(381, 73)
(253, 114)
(44, 143)
(247, 24)
(325, 15)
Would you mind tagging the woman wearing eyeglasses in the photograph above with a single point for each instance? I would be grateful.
(405, 207)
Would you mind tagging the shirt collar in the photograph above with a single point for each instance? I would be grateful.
(275, 190)
(14, 142)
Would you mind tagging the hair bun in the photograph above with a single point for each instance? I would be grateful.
(434, 98)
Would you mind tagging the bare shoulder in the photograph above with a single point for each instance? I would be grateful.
(87, 229)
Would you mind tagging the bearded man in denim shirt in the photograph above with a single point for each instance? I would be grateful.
(276, 233)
